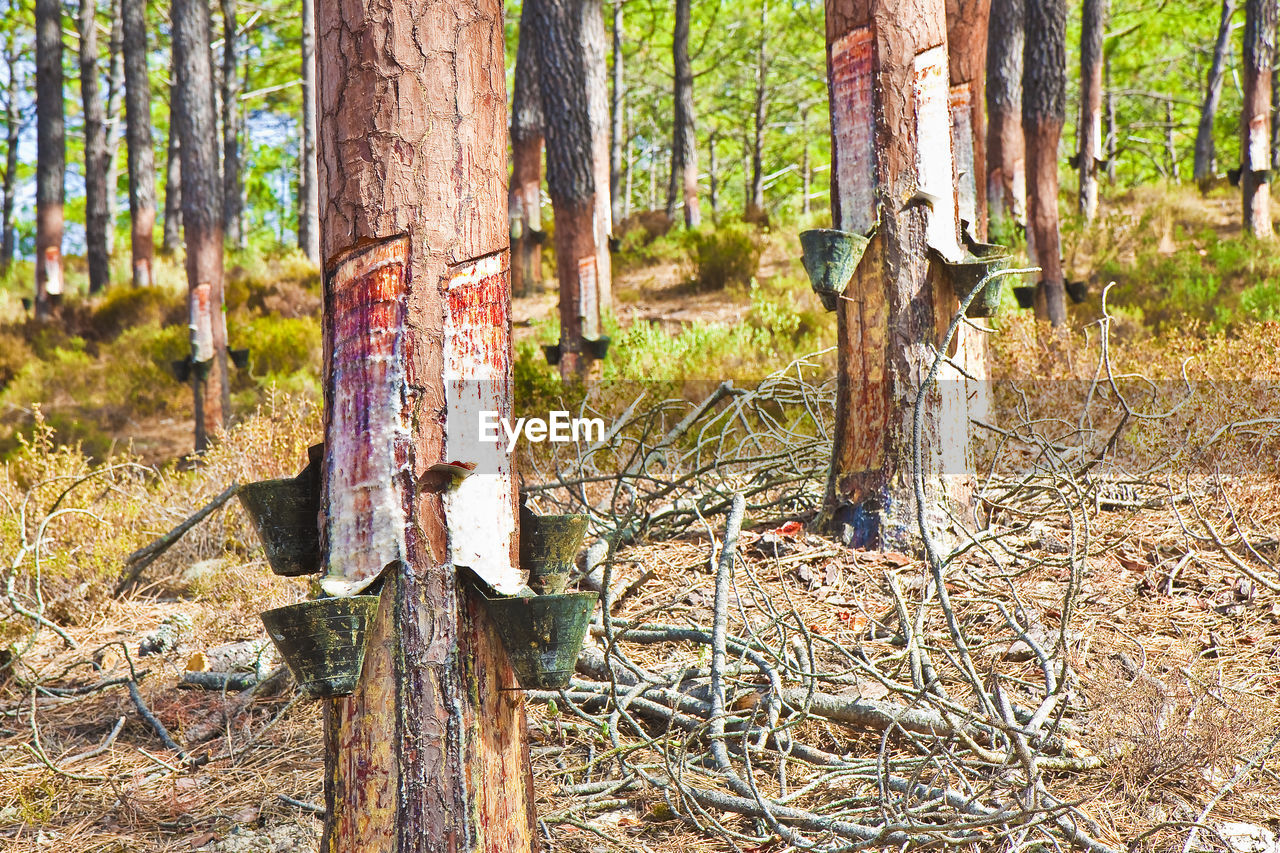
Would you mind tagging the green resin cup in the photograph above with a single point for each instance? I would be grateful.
(323, 641)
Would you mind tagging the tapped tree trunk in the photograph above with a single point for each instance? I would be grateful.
(308, 184)
(51, 156)
(202, 210)
(1044, 106)
(1204, 163)
(684, 143)
(1089, 132)
(95, 152)
(618, 130)
(524, 196)
(597, 69)
(172, 237)
(142, 167)
(232, 225)
(1006, 172)
(967, 63)
(1255, 120)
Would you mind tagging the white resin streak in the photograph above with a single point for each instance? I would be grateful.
(478, 511)
(933, 150)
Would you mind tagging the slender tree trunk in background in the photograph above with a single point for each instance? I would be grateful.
(1006, 175)
(308, 183)
(1170, 146)
(115, 95)
(232, 210)
(51, 156)
(1089, 132)
(595, 59)
(524, 196)
(890, 120)
(618, 129)
(1255, 120)
(806, 177)
(13, 130)
(429, 753)
(630, 162)
(1275, 109)
(759, 115)
(202, 210)
(1044, 107)
(95, 152)
(713, 167)
(684, 140)
(571, 176)
(653, 177)
(171, 240)
(967, 63)
(142, 168)
(1112, 132)
(1204, 163)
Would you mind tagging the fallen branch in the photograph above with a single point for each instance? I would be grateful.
(137, 562)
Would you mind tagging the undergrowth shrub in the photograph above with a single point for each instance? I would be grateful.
(729, 255)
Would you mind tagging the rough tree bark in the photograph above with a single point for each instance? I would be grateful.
(429, 753)
(967, 63)
(115, 95)
(1044, 107)
(760, 108)
(595, 57)
(1006, 174)
(232, 224)
(308, 182)
(141, 157)
(1255, 119)
(888, 78)
(684, 141)
(1204, 163)
(571, 177)
(1089, 132)
(13, 130)
(524, 197)
(95, 152)
(171, 238)
(202, 209)
(618, 128)
(51, 156)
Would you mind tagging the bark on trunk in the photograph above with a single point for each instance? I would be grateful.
(95, 152)
(232, 224)
(888, 79)
(597, 70)
(524, 197)
(172, 236)
(1006, 172)
(51, 156)
(115, 95)
(967, 63)
(1044, 105)
(429, 753)
(806, 175)
(308, 184)
(713, 169)
(572, 178)
(13, 127)
(684, 142)
(1089, 132)
(759, 113)
(618, 129)
(142, 168)
(1204, 163)
(202, 210)
(1255, 120)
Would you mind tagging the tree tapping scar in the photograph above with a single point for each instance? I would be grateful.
(201, 324)
(933, 149)
(965, 175)
(588, 297)
(851, 114)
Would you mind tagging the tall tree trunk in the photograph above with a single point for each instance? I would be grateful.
(13, 131)
(172, 235)
(571, 176)
(202, 211)
(308, 183)
(524, 197)
(653, 177)
(888, 79)
(1006, 173)
(713, 168)
(115, 95)
(630, 165)
(967, 62)
(1089, 132)
(597, 69)
(618, 130)
(806, 175)
(232, 226)
(95, 152)
(1204, 164)
(1044, 106)
(142, 167)
(51, 156)
(1255, 120)
(759, 112)
(684, 141)
(429, 753)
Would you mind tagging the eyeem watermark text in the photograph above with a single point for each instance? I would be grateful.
(557, 427)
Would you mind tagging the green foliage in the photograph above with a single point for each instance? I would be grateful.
(725, 256)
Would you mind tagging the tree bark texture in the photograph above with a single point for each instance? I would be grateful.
(95, 152)
(51, 156)
(13, 130)
(429, 753)
(760, 108)
(1204, 162)
(595, 58)
(684, 141)
(309, 183)
(1044, 106)
(115, 95)
(202, 209)
(571, 174)
(1006, 171)
(232, 207)
(141, 157)
(1089, 132)
(618, 127)
(1255, 119)
(524, 196)
(890, 119)
(967, 63)
(171, 240)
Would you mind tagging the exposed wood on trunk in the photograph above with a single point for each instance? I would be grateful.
(595, 61)
(1089, 131)
(309, 184)
(1204, 163)
(51, 156)
(967, 63)
(887, 72)
(618, 139)
(1044, 106)
(683, 187)
(95, 151)
(429, 753)
(1255, 118)
(232, 226)
(172, 235)
(201, 214)
(1006, 168)
(524, 197)
(142, 168)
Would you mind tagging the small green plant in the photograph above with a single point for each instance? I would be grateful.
(726, 256)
